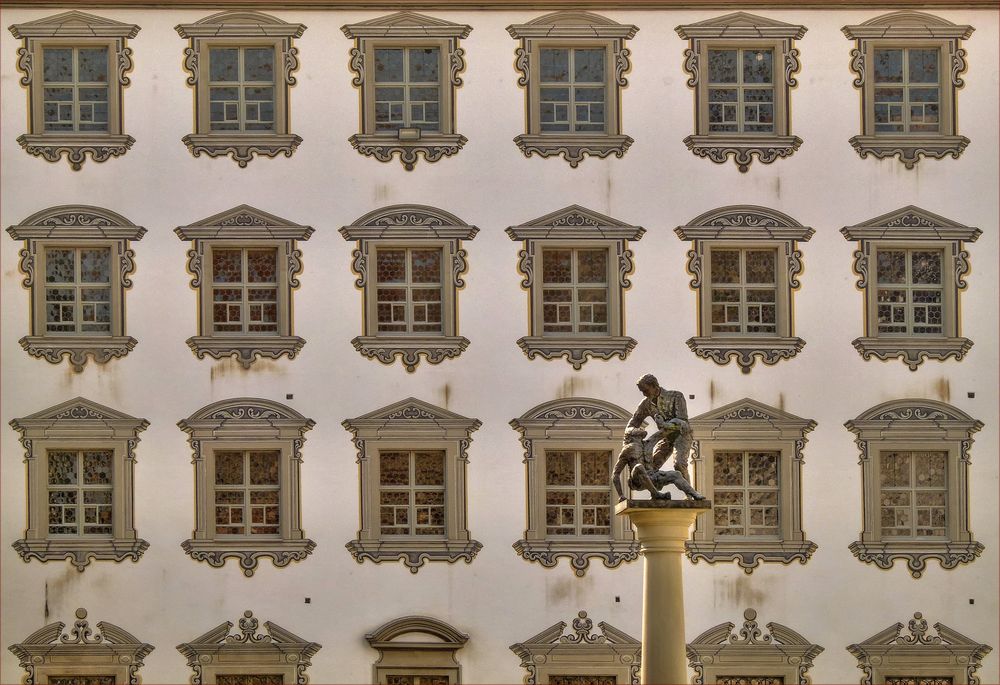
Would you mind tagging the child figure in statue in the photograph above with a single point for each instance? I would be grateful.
(644, 473)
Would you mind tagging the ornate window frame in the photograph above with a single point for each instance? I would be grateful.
(779, 655)
(912, 227)
(923, 425)
(918, 656)
(76, 226)
(742, 30)
(244, 226)
(570, 29)
(571, 423)
(248, 652)
(910, 29)
(75, 29)
(407, 30)
(580, 653)
(413, 424)
(237, 29)
(75, 424)
(410, 226)
(750, 425)
(745, 226)
(573, 227)
(110, 651)
(247, 423)
(428, 648)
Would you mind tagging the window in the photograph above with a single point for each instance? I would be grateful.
(570, 447)
(247, 458)
(412, 459)
(914, 471)
(753, 656)
(410, 261)
(573, 67)
(417, 650)
(83, 655)
(241, 66)
(244, 264)
(919, 658)
(576, 264)
(909, 67)
(77, 261)
(748, 461)
(742, 68)
(75, 66)
(407, 67)
(580, 657)
(745, 264)
(911, 266)
(223, 656)
(81, 463)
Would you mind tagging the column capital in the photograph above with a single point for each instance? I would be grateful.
(662, 524)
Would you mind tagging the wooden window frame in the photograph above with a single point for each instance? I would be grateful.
(429, 647)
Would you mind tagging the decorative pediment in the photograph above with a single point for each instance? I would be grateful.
(741, 25)
(406, 24)
(580, 635)
(240, 23)
(76, 409)
(748, 411)
(408, 221)
(574, 223)
(572, 24)
(411, 412)
(76, 222)
(744, 222)
(244, 222)
(908, 24)
(245, 410)
(74, 24)
(914, 412)
(910, 223)
(573, 409)
(444, 635)
(918, 635)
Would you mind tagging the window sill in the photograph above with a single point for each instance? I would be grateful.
(613, 553)
(242, 147)
(434, 348)
(742, 148)
(52, 146)
(414, 553)
(81, 551)
(77, 349)
(745, 351)
(749, 554)
(246, 348)
(909, 149)
(573, 146)
(916, 553)
(433, 146)
(912, 351)
(248, 551)
(576, 350)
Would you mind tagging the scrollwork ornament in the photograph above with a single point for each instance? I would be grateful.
(463, 449)
(966, 446)
(526, 265)
(792, 66)
(248, 631)
(694, 267)
(958, 67)
(459, 267)
(961, 268)
(582, 625)
(692, 67)
(127, 266)
(133, 674)
(357, 65)
(861, 268)
(750, 633)
(300, 674)
(27, 266)
(528, 445)
(195, 451)
(622, 66)
(918, 633)
(456, 65)
(522, 64)
(359, 265)
(294, 266)
(25, 63)
(800, 445)
(191, 65)
(291, 64)
(794, 268)
(81, 633)
(297, 449)
(858, 66)
(130, 450)
(124, 66)
(194, 265)
(625, 265)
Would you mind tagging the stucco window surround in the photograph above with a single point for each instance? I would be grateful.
(108, 654)
(762, 312)
(247, 426)
(765, 445)
(226, 657)
(586, 119)
(921, 657)
(918, 515)
(257, 121)
(575, 427)
(402, 431)
(91, 322)
(907, 124)
(80, 459)
(762, 657)
(424, 323)
(90, 120)
(912, 235)
(723, 91)
(415, 650)
(422, 122)
(254, 323)
(580, 656)
(589, 331)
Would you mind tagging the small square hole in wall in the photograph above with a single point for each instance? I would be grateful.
(690, 397)
(972, 395)
(619, 599)
(289, 396)
(972, 601)
(308, 600)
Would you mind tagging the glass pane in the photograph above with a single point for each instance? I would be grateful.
(428, 468)
(223, 64)
(760, 266)
(895, 469)
(891, 266)
(264, 467)
(93, 65)
(389, 65)
(258, 65)
(391, 266)
(557, 266)
(229, 468)
(728, 468)
(95, 265)
(762, 469)
(58, 65)
(97, 467)
(249, 679)
(722, 66)
(60, 265)
(930, 469)
(424, 65)
(758, 66)
(227, 266)
(725, 266)
(62, 468)
(889, 66)
(923, 65)
(595, 468)
(588, 66)
(560, 468)
(394, 468)
(554, 65)
(262, 266)
(426, 266)
(926, 267)
(592, 266)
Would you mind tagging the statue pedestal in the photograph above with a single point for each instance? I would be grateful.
(662, 528)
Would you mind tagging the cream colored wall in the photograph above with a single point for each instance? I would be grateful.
(499, 599)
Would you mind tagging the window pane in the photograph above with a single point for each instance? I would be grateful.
(258, 65)
(223, 64)
(725, 266)
(262, 266)
(722, 66)
(557, 266)
(95, 265)
(592, 266)
(60, 266)
(62, 468)
(229, 468)
(891, 266)
(554, 65)
(762, 469)
(930, 469)
(926, 267)
(394, 468)
(58, 65)
(428, 468)
(758, 66)
(227, 266)
(760, 266)
(248, 679)
(888, 66)
(595, 468)
(97, 467)
(389, 65)
(391, 267)
(264, 467)
(93, 65)
(426, 266)
(923, 65)
(727, 468)
(588, 66)
(895, 469)
(560, 468)
(424, 65)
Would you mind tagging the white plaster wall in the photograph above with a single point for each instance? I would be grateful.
(499, 599)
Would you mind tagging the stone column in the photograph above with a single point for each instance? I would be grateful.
(662, 527)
